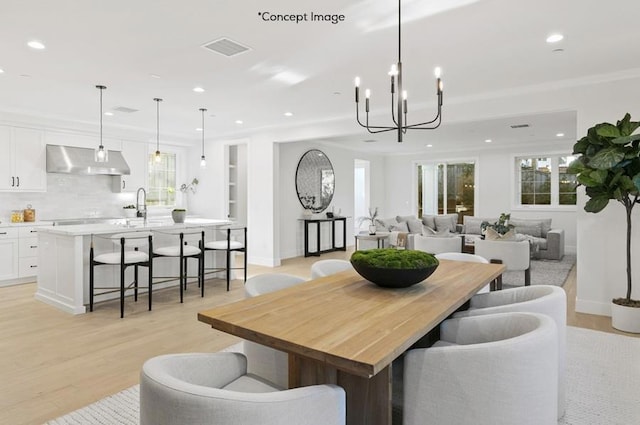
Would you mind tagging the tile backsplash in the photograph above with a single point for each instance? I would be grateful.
(69, 196)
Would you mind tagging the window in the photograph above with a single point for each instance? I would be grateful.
(446, 188)
(162, 180)
(544, 181)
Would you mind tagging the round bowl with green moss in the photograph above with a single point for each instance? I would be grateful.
(394, 268)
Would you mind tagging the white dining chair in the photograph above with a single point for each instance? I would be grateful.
(215, 388)
(463, 256)
(543, 299)
(515, 255)
(498, 369)
(324, 268)
(263, 361)
(437, 245)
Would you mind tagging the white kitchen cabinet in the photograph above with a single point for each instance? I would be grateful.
(137, 157)
(23, 162)
(9, 253)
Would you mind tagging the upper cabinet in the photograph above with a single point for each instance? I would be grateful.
(23, 160)
(137, 156)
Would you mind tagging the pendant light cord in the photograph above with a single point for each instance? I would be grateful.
(158, 100)
(203, 110)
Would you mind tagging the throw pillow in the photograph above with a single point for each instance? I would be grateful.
(530, 229)
(415, 225)
(446, 222)
(428, 231)
(472, 225)
(545, 223)
(492, 235)
(384, 224)
(429, 221)
(401, 218)
(400, 227)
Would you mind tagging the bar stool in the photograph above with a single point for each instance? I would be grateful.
(128, 255)
(189, 244)
(229, 245)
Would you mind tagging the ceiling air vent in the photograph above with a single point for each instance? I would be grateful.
(125, 109)
(226, 46)
(520, 126)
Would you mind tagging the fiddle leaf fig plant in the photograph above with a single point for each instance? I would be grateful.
(608, 166)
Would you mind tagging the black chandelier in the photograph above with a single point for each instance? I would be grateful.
(400, 104)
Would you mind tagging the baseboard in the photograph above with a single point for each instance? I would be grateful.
(264, 261)
(593, 307)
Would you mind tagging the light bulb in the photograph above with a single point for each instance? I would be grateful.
(437, 71)
(367, 93)
(357, 81)
(394, 70)
(158, 157)
(203, 161)
(404, 95)
(440, 85)
(101, 154)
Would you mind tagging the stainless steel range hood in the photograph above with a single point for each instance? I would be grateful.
(72, 160)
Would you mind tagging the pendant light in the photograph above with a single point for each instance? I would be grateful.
(203, 161)
(101, 154)
(158, 157)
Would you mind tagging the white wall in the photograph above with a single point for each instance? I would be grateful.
(290, 209)
(495, 171)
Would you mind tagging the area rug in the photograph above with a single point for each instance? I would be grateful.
(543, 272)
(602, 386)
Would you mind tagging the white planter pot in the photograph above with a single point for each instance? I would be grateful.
(626, 319)
(372, 230)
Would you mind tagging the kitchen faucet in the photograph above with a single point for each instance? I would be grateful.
(143, 212)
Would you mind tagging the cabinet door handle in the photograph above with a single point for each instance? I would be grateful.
(3, 233)
(33, 267)
(124, 183)
(13, 181)
(18, 180)
(33, 246)
(33, 231)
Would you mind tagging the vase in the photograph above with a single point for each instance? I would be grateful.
(178, 216)
(626, 319)
(372, 229)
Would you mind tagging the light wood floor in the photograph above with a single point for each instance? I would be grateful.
(52, 362)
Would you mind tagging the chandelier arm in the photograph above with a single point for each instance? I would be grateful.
(437, 117)
(393, 113)
(371, 126)
(414, 126)
(385, 129)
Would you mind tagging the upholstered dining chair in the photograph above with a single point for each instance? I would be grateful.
(463, 256)
(437, 245)
(543, 299)
(128, 254)
(515, 255)
(182, 244)
(235, 241)
(215, 388)
(263, 361)
(324, 268)
(498, 369)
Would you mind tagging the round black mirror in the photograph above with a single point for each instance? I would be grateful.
(315, 181)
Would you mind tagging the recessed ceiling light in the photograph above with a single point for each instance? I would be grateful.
(154, 76)
(198, 129)
(288, 114)
(554, 38)
(238, 121)
(109, 114)
(35, 44)
(560, 135)
(488, 141)
(198, 89)
(429, 145)
(1, 71)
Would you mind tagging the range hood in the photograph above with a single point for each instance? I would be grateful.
(73, 160)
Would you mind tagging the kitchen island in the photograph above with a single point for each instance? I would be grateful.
(63, 270)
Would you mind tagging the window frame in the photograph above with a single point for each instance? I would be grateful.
(516, 186)
(180, 167)
(447, 160)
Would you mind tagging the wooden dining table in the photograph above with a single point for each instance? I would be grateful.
(344, 330)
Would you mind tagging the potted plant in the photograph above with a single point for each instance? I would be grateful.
(501, 226)
(394, 268)
(178, 215)
(129, 210)
(608, 166)
(371, 219)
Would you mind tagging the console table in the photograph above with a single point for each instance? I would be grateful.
(318, 221)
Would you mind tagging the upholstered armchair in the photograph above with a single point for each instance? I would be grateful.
(437, 245)
(214, 388)
(544, 299)
(323, 268)
(496, 369)
(516, 256)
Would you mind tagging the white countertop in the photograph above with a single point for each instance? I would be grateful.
(24, 223)
(134, 225)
